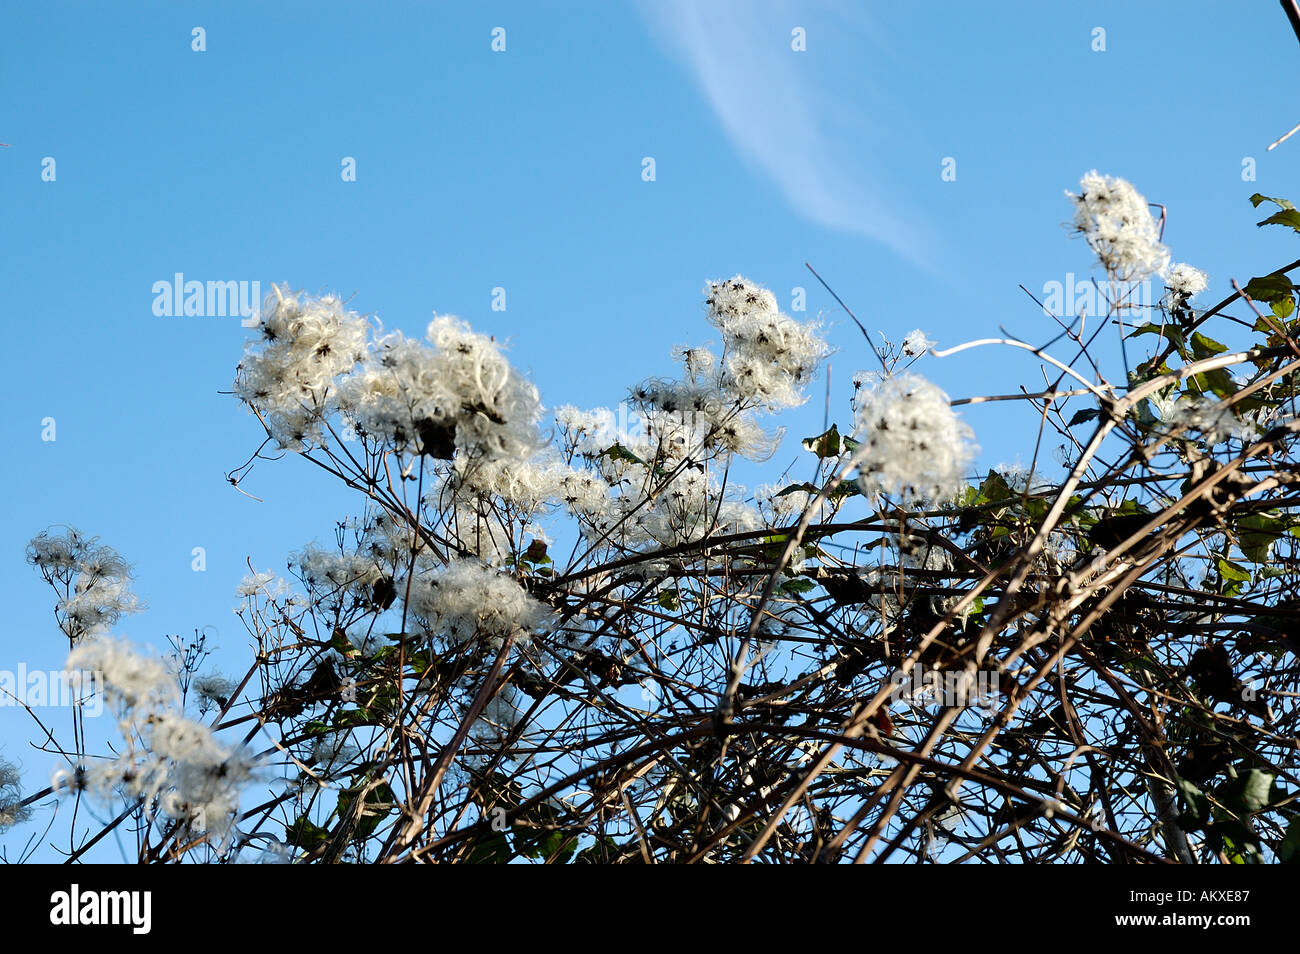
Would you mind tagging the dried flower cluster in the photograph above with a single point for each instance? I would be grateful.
(1116, 220)
(566, 634)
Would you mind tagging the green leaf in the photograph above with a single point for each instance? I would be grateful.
(1080, 417)
(595, 854)
(1143, 414)
(826, 444)
(668, 600)
(1197, 808)
(1171, 333)
(1287, 217)
(1204, 347)
(1231, 571)
(497, 790)
(846, 488)
(550, 844)
(1289, 850)
(1248, 793)
(538, 833)
(619, 452)
(1257, 533)
(306, 834)
(1218, 382)
(1269, 287)
(797, 586)
(420, 661)
(341, 644)
(1284, 307)
(804, 487)
(381, 702)
(1257, 198)
(774, 546)
(376, 803)
(351, 718)
(1235, 840)
(995, 488)
(490, 849)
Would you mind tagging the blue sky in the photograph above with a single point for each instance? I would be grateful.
(522, 170)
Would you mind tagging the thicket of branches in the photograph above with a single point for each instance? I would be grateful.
(558, 639)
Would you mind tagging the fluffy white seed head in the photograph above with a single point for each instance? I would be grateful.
(467, 600)
(12, 810)
(290, 374)
(769, 356)
(213, 691)
(916, 343)
(94, 579)
(196, 777)
(1116, 220)
(1184, 282)
(1215, 421)
(461, 395)
(132, 679)
(916, 448)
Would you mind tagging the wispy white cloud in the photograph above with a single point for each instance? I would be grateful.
(785, 115)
